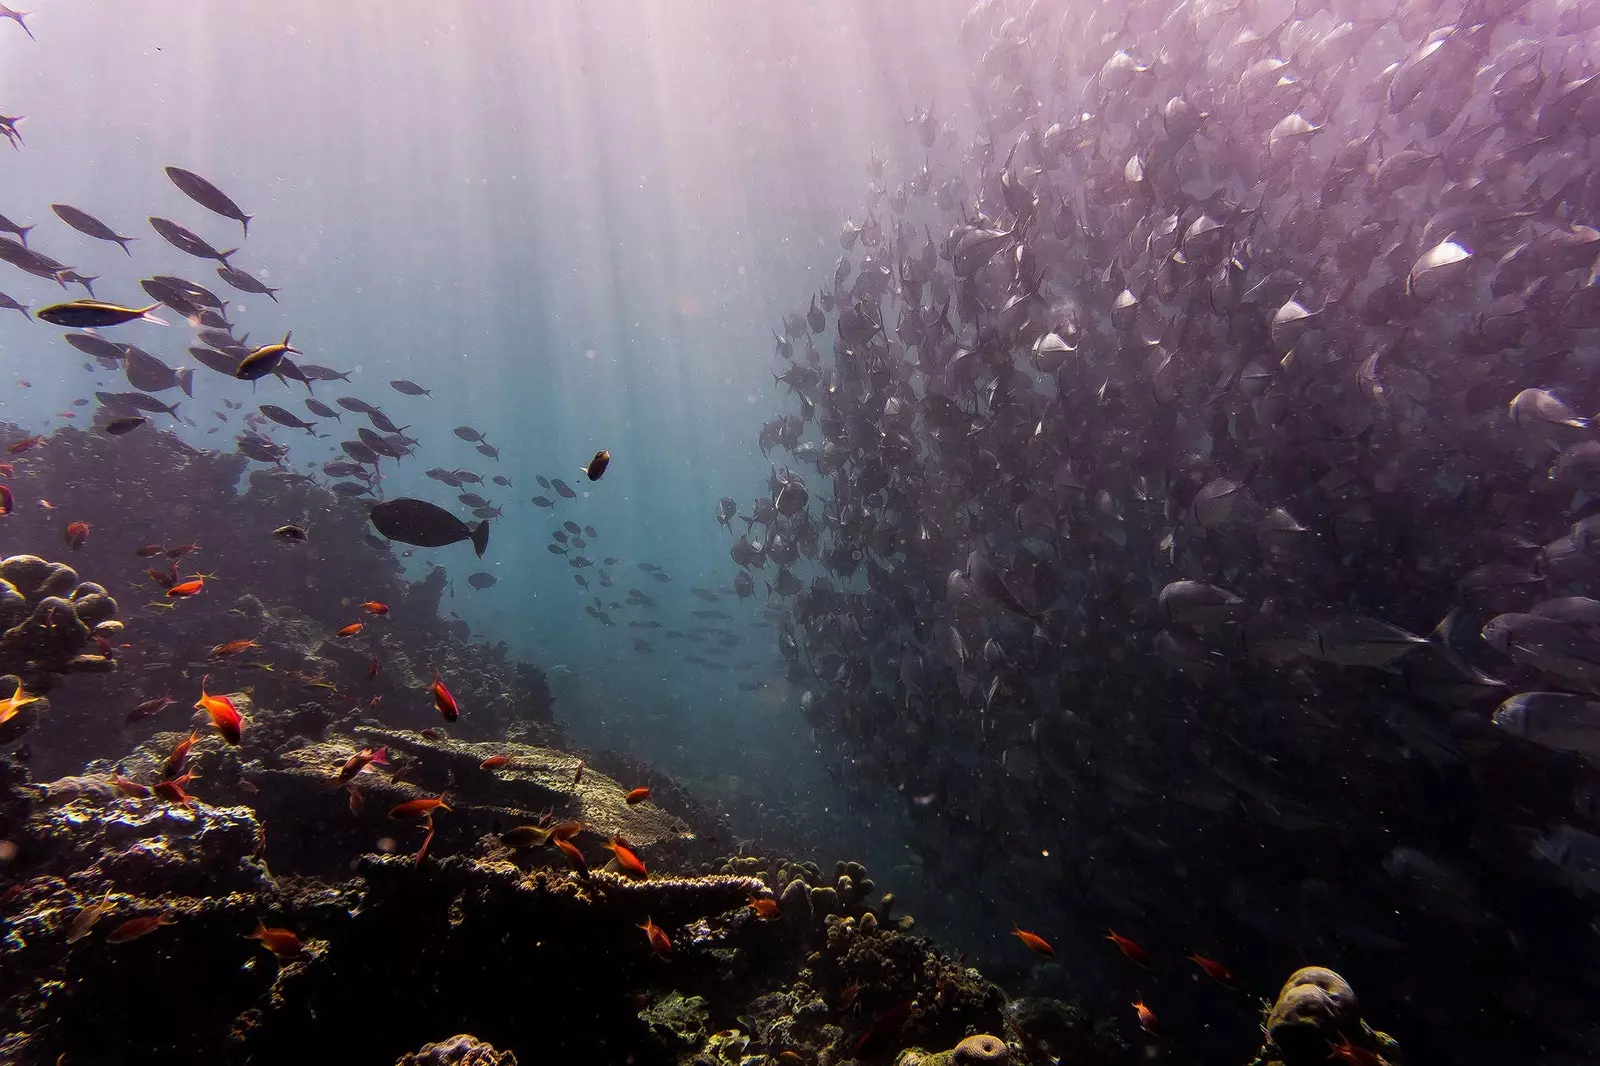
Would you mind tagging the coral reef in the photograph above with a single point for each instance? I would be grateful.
(49, 620)
(1315, 1018)
(461, 1050)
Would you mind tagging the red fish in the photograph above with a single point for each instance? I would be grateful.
(443, 701)
(638, 795)
(130, 788)
(7, 502)
(422, 852)
(1147, 1019)
(350, 630)
(1136, 954)
(174, 761)
(1359, 1055)
(570, 850)
(626, 857)
(7, 469)
(232, 647)
(357, 800)
(181, 550)
(565, 830)
(372, 670)
(225, 716)
(419, 807)
(577, 775)
(187, 588)
(134, 928)
(75, 534)
(494, 762)
(173, 791)
(281, 942)
(428, 734)
(1033, 942)
(374, 607)
(24, 444)
(1214, 970)
(150, 708)
(657, 935)
(150, 551)
(766, 908)
(360, 761)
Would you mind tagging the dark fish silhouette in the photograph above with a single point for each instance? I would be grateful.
(246, 283)
(86, 223)
(208, 196)
(409, 388)
(421, 523)
(187, 241)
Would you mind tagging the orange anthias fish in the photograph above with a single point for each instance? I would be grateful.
(224, 715)
(130, 788)
(174, 761)
(134, 928)
(657, 935)
(8, 503)
(187, 588)
(374, 607)
(232, 647)
(172, 790)
(570, 850)
(1214, 970)
(766, 908)
(1359, 1055)
(418, 808)
(1033, 942)
(24, 444)
(638, 795)
(12, 704)
(351, 630)
(372, 670)
(626, 857)
(1147, 1019)
(443, 701)
(577, 775)
(494, 762)
(75, 534)
(281, 942)
(1136, 954)
(360, 761)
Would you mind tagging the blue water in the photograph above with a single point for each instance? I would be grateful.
(576, 222)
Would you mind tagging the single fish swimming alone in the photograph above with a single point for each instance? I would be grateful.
(425, 525)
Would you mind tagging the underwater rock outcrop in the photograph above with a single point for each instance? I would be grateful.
(460, 1050)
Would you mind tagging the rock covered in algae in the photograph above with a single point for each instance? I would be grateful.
(677, 1021)
(461, 1050)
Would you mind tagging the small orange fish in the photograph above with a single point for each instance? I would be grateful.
(45, 505)
(8, 502)
(357, 800)
(225, 716)
(130, 788)
(566, 830)
(419, 807)
(428, 734)
(150, 551)
(360, 761)
(24, 444)
(494, 762)
(578, 774)
(172, 791)
(232, 647)
(657, 935)
(281, 942)
(1359, 1055)
(134, 928)
(374, 607)
(638, 795)
(570, 850)
(443, 701)
(1033, 942)
(766, 908)
(75, 534)
(187, 588)
(1136, 954)
(181, 550)
(174, 761)
(372, 670)
(351, 630)
(1147, 1019)
(422, 852)
(1214, 970)
(7, 469)
(626, 857)
(12, 704)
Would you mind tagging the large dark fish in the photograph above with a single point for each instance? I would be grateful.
(87, 224)
(208, 196)
(409, 388)
(421, 523)
(187, 241)
(246, 283)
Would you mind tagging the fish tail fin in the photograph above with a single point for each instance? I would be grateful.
(222, 257)
(124, 242)
(172, 409)
(22, 233)
(480, 537)
(245, 222)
